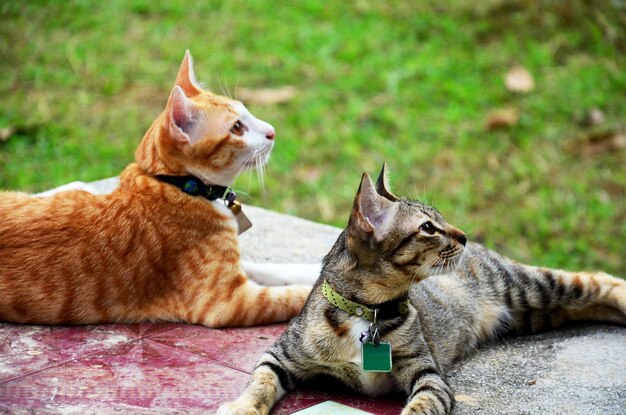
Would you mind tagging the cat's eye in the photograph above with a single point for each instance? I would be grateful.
(428, 227)
(238, 128)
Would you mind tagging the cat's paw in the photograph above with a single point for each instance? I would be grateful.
(237, 408)
(617, 296)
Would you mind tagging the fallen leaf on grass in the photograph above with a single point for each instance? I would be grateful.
(592, 118)
(604, 142)
(18, 130)
(493, 163)
(267, 95)
(6, 133)
(502, 118)
(308, 174)
(466, 399)
(519, 79)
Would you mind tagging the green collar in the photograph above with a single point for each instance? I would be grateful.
(387, 310)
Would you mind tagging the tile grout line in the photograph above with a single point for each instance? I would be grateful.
(320, 395)
(150, 338)
(6, 339)
(202, 357)
(64, 362)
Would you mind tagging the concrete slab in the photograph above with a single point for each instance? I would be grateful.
(579, 370)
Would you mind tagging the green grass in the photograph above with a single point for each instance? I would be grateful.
(409, 83)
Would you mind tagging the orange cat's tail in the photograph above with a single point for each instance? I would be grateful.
(251, 304)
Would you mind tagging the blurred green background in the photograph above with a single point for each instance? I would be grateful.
(411, 83)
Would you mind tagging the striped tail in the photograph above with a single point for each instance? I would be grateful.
(540, 299)
(252, 304)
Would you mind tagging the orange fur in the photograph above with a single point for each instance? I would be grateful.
(147, 251)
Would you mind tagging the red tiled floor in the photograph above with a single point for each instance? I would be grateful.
(141, 368)
(138, 375)
(237, 348)
(25, 349)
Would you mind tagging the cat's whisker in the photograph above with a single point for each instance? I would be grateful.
(228, 94)
(260, 174)
(239, 170)
(432, 202)
(437, 267)
(256, 158)
(420, 196)
(219, 83)
(418, 273)
(236, 86)
(242, 164)
(456, 261)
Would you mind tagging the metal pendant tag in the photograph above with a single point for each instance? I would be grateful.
(376, 358)
(243, 223)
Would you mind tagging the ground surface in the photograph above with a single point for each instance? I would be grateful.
(173, 368)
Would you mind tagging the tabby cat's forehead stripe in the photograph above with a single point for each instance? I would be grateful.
(427, 210)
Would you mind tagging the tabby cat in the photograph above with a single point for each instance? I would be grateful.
(162, 246)
(383, 257)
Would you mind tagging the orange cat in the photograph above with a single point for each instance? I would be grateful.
(149, 250)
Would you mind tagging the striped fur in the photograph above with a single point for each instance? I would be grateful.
(472, 295)
(147, 251)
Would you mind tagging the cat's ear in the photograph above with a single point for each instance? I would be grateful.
(186, 79)
(370, 212)
(181, 116)
(382, 186)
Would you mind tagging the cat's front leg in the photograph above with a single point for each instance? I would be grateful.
(270, 381)
(432, 395)
(270, 274)
(429, 393)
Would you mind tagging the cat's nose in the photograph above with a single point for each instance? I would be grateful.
(457, 234)
(462, 239)
(270, 134)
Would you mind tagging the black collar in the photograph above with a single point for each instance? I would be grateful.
(391, 309)
(194, 187)
(373, 312)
